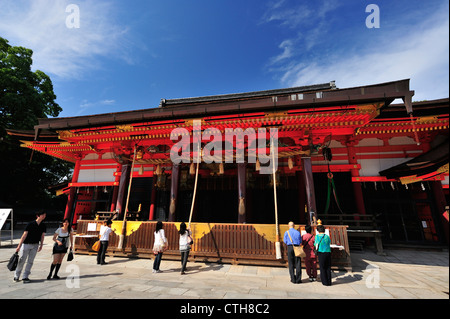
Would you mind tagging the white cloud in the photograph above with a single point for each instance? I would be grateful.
(419, 52)
(286, 45)
(40, 25)
(291, 17)
(421, 56)
(85, 106)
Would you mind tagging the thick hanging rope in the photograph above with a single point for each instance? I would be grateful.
(195, 186)
(277, 243)
(122, 235)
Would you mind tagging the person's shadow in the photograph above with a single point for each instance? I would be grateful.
(35, 281)
(347, 278)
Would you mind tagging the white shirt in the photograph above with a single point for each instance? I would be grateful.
(184, 238)
(104, 233)
(63, 236)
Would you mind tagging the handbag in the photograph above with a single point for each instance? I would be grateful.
(298, 250)
(70, 256)
(12, 264)
(190, 240)
(317, 247)
(96, 246)
(162, 243)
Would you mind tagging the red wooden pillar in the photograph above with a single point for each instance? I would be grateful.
(357, 190)
(72, 193)
(151, 214)
(309, 188)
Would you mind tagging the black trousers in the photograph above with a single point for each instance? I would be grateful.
(184, 259)
(295, 265)
(102, 252)
(325, 268)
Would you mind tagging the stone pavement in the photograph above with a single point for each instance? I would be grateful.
(402, 274)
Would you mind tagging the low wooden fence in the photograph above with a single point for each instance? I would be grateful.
(215, 242)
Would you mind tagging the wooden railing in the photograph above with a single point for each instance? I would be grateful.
(228, 243)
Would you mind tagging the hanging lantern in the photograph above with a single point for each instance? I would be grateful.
(221, 169)
(141, 170)
(192, 169)
(258, 165)
(139, 153)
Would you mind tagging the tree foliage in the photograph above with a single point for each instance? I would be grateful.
(25, 96)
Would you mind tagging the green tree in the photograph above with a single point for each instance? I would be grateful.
(25, 96)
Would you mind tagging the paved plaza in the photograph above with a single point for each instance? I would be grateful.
(401, 274)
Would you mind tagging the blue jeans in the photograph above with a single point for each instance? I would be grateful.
(157, 261)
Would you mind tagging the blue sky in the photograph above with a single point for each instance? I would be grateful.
(127, 55)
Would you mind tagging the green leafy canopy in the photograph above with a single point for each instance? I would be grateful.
(25, 96)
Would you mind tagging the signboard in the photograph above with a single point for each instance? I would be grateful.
(4, 214)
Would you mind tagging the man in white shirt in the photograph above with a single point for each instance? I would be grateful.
(105, 230)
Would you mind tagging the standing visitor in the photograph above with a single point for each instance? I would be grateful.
(185, 246)
(292, 237)
(30, 244)
(63, 239)
(159, 245)
(323, 248)
(310, 258)
(105, 231)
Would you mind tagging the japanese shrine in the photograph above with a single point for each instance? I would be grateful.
(349, 157)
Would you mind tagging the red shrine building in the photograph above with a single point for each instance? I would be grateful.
(349, 156)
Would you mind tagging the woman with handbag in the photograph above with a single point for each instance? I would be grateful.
(185, 245)
(323, 249)
(159, 246)
(63, 237)
(310, 258)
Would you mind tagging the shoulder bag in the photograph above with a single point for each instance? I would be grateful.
(298, 250)
(189, 239)
(316, 248)
(96, 246)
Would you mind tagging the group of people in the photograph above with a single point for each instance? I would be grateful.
(315, 247)
(160, 245)
(32, 240)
